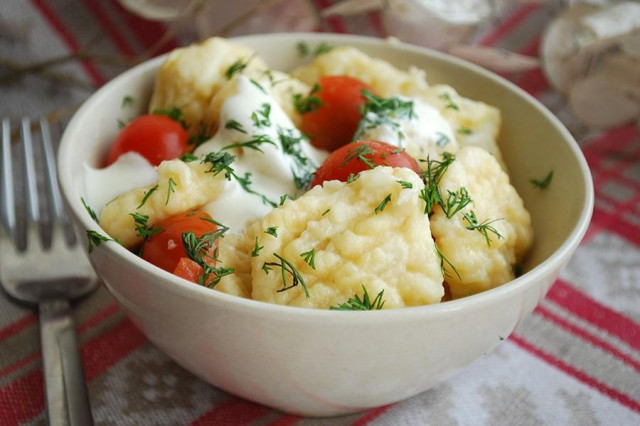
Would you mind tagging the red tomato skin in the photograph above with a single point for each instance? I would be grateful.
(155, 137)
(337, 166)
(188, 269)
(335, 122)
(165, 248)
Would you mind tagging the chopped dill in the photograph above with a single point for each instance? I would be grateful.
(310, 258)
(542, 183)
(383, 204)
(287, 267)
(171, 184)
(147, 194)
(355, 303)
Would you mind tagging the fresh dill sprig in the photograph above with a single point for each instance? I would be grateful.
(309, 103)
(542, 183)
(89, 210)
(259, 86)
(455, 201)
(291, 144)
(360, 153)
(127, 101)
(219, 162)
(174, 113)
(235, 125)
(379, 111)
(443, 261)
(188, 158)
(95, 239)
(432, 177)
(260, 117)
(253, 143)
(287, 267)
(143, 229)
(353, 177)
(256, 249)
(321, 48)
(449, 104)
(355, 303)
(204, 252)
(147, 194)
(442, 139)
(383, 204)
(310, 258)
(272, 230)
(483, 227)
(404, 184)
(171, 184)
(237, 67)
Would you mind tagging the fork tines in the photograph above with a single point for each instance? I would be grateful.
(27, 195)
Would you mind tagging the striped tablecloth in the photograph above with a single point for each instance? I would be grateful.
(574, 361)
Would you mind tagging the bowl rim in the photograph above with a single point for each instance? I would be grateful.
(185, 288)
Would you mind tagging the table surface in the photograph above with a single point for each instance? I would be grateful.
(574, 361)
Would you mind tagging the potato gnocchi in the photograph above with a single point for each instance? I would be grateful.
(396, 236)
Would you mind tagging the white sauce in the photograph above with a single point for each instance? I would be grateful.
(271, 170)
(426, 132)
(129, 171)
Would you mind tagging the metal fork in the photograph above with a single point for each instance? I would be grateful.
(44, 268)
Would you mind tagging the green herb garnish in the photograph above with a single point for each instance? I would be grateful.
(365, 304)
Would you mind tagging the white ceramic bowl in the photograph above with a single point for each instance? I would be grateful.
(321, 362)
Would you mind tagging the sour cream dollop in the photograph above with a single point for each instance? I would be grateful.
(272, 157)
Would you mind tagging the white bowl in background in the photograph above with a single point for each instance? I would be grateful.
(321, 362)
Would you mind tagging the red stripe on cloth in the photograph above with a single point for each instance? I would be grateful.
(234, 411)
(95, 320)
(98, 317)
(105, 351)
(17, 326)
(371, 415)
(22, 399)
(615, 223)
(335, 22)
(583, 306)
(581, 376)
(23, 362)
(508, 24)
(286, 420)
(147, 32)
(588, 337)
(376, 22)
(56, 24)
(119, 41)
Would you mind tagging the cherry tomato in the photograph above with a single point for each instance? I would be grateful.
(155, 137)
(189, 270)
(358, 156)
(333, 123)
(165, 249)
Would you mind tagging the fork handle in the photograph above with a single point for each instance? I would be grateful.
(65, 386)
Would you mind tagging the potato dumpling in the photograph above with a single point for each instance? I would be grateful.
(483, 257)
(191, 76)
(371, 232)
(474, 123)
(385, 79)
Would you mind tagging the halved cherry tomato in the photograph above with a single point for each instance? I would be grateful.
(358, 156)
(334, 123)
(189, 270)
(165, 249)
(155, 137)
